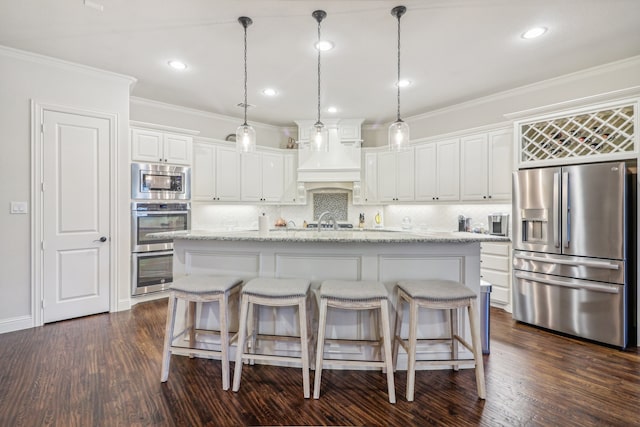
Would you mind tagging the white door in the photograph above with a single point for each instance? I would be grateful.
(474, 167)
(448, 170)
(75, 223)
(272, 177)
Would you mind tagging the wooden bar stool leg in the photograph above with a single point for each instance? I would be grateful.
(411, 352)
(191, 325)
(322, 323)
(477, 348)
(304, 347)
(386, 336)
(397, 329)
(453, 319)
(242, 336)
(224, 339)
(168, 337)
(254, 309)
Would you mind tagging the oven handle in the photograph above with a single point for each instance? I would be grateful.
(151, 253)
(596, 264)
(151, 213)
(575, 284)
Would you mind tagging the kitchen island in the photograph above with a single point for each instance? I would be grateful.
(381, 255)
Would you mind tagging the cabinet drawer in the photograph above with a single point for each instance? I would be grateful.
(496, 278)
(495, 248)
(495, 262)
(500, 295)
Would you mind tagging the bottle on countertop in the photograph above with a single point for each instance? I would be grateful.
(361, 221)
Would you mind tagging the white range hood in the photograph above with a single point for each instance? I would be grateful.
(340, 164)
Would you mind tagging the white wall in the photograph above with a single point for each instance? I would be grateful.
(210, 125)
(27, 77)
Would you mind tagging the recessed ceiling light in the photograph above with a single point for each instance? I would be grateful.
(332, 110)
(269, 92)
(177, 65)
(534, 32)
(324, 45)
(404, 83)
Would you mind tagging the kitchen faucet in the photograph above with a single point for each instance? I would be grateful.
(330, 217)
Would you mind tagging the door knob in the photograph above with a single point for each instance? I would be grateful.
(101, 239)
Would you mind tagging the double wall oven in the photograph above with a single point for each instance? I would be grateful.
(162, 210)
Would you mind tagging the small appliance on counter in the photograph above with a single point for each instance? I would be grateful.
(464, 224)
(499, 224)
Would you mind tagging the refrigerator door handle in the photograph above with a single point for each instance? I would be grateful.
(566, 211)
(575, 284)
(595, 264)
(556, 190)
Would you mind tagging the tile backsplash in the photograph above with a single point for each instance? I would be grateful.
(336, 203)
(439, 217)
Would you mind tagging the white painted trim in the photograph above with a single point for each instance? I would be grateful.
(164, 128)
(457, 134)
(66, 65)
(193, 111)
(15, 324)
(37, 113)
(523, 90)
(586, 102)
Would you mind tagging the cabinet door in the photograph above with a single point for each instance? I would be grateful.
(290, 179)
(387, 176)
(177, 149)
(474, 167)
(146, 146)
(203, 172)
(251, 177)
(500, 160)
(272, 177)
(227, 174)
(405, 176)
(370, 188)
(426, 172)
(448, 170)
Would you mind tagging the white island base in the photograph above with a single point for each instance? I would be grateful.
(280, 255)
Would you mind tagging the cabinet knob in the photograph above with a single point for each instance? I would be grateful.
(484, 197)
(489, 196)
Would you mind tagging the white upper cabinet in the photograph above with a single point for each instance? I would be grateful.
(292, 193)
(215, 173)
(486, 165)
(395, 176)
(437, 171)
(154, 146)
(370, 185)
(262, 177)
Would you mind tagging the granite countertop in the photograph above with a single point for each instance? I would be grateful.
(337, 236)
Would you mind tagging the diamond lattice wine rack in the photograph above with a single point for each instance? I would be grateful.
(596, 133)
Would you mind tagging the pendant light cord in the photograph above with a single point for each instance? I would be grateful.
(245, 75)
(398, 81)
(318, 48)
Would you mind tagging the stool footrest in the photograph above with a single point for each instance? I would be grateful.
(186, 351)
(271, 357)
(447, 362)
(359, 363)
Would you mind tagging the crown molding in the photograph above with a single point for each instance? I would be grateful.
(543, 84)
(65, 65)
(164, 128)
(186, 110)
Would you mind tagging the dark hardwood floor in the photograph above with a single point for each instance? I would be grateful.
(104, 370)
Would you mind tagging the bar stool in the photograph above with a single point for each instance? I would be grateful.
(355, 295)
(193, 290)
(272, 293)
(437, 295)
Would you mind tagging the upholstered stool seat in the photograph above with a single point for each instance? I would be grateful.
(437, 295)
(355, 295)
(272, 293)
(193, 290)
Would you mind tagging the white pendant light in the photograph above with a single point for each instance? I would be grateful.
(399, 130)
(245, 134)
(319, 136)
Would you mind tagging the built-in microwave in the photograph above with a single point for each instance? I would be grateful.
(160, 182)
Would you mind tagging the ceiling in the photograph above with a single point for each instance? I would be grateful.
(452, 50)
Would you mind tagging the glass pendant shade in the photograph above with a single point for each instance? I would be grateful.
(245, 138)
(319, 138)
(398, 136)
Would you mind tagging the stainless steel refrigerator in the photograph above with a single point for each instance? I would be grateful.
(574, 250)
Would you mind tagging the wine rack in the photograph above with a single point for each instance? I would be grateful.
(596, 133)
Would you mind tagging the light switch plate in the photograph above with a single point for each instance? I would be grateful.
(19, 208)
